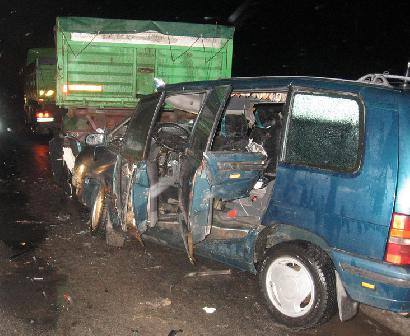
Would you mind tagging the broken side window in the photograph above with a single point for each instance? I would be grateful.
(252, 122)
(324, 131)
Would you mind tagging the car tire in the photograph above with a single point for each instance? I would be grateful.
(99, 211)
(298, 285)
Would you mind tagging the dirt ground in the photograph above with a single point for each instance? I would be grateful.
(58, 279)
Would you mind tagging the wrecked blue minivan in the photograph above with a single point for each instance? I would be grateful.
(304, 181)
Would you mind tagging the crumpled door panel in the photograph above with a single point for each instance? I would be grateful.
(231, 174)
(140, 194)
(225, 175)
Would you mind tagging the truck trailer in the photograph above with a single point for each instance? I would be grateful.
(104, 66)
(42, 116)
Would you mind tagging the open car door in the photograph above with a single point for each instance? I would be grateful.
(225, 176)
(132, 176)
(200, 141)
(206, 175)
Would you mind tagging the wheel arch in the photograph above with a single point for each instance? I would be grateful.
(279, 234)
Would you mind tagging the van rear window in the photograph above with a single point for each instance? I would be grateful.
(324, 131)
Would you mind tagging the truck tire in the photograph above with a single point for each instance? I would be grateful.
(298, 285)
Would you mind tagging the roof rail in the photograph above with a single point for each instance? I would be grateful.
(385, 79)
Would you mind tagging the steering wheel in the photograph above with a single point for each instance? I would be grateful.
(171, 135)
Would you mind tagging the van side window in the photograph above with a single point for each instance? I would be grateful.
(324, 131)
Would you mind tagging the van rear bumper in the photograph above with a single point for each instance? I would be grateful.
(375, 283)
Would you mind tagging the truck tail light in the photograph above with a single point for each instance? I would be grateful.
(398, 245)
(44, 116)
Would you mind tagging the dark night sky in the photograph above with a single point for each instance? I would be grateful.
(322, 38)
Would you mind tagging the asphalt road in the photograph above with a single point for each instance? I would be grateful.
(57, 279)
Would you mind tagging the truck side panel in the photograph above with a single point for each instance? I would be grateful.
(96, 73)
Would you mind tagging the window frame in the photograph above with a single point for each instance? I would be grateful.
(124, 149)
(164, 95)
(333, 94)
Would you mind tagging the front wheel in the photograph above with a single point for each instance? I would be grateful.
(298, 285)
(99, 213)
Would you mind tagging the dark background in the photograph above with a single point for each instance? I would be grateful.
(322, 38)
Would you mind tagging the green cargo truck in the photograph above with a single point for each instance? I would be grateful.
(41, 113)
(105, 65)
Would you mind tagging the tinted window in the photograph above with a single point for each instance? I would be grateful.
(324, 131)
(139, 126)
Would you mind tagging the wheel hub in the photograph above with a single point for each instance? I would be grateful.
(290, 286)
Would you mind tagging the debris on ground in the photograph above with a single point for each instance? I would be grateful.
(68, 298)
(114, 238)
(63, 217)
(28, 221)
(206, 273)
(15, 256)
(174, 332)
(153, 267)
(159, 303)
(209, 310)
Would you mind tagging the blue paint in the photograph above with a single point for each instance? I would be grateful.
(403, 189)
(236, 182)
(238, 253)
(347, 214)
(140, 191)
(345, 208)
(384, 295)
(200, 207)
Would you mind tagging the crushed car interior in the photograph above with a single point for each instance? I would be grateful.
(250, 123)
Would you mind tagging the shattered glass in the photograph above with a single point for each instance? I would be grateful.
(324, 131)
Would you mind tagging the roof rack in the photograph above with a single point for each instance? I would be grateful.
(386, 79)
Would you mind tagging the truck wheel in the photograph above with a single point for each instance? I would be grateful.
(298, 286)
(99, 211)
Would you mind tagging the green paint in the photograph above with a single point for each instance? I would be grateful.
(40, 73)
(127, 70)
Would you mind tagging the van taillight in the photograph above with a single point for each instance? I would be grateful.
(398, 245)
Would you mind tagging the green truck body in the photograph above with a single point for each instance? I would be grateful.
(40, 75)
(42, 116)
(108, 64)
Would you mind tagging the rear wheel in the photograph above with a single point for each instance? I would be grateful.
(99, 211)
(298, 285)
